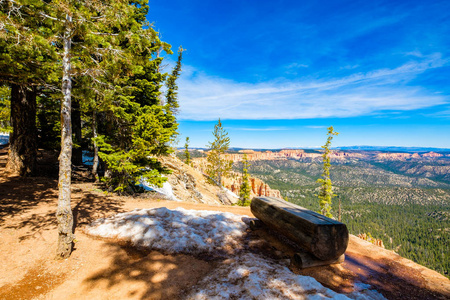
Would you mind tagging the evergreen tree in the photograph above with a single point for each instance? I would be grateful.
(244, 191)
(326, 190)
(101, 56)
(27, 59)
(137, 128)
(172, 94)
(217, 166)
(186, 151)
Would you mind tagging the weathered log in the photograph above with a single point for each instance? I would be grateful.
(325, 238)
(255, 224)
(303, 260)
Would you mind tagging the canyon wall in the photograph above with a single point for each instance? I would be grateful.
(258, 187)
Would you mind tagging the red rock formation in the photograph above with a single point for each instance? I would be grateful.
(376, 242)
(393, 156)
(258, 187)
(432, 154)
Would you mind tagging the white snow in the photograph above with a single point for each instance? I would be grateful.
(165, 190)
(174, 231)
(230, 193)
(252, 276)
(243, 276)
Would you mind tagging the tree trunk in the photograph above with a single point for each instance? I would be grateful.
(64, 210)
(23, 139)
(219, 172)
(94, 133)
(77, 152)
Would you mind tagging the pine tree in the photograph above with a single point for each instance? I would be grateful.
(27, 59)
(244, 191)
(326, 190)
(172, 87)
(217, 166)
(110, 48)
(186, 151)
(136, 128)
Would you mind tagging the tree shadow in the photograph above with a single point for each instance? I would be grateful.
(145, 273)
(34, 201)
(391, 278)
(148, 274)
(19, 195)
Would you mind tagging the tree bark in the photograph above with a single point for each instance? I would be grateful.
(23, 139)
(77, 152)
(94, 133)
(64, 210)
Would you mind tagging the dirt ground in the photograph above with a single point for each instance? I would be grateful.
(100, 269)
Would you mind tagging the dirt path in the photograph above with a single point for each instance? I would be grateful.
(100, 269)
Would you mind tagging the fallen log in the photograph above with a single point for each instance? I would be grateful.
(303, 260)
(325, 238)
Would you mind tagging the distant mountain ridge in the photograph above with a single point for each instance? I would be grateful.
(349, 148)
(394, 149)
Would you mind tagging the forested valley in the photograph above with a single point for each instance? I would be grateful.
(387, 200)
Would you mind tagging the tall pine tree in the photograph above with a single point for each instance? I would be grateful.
(326, 189)
(245, 189)
(27, 61)
(218, 166)
(186, 152)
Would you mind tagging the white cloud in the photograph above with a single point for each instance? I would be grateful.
(204, 97)
(258, 129)
(316, 127)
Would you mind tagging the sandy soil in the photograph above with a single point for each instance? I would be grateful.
(100, 269)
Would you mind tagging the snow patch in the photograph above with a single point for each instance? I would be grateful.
(252, 276)
(363, 291)
(165, 190)
(174, 231)
(243, 276)
(230, 193)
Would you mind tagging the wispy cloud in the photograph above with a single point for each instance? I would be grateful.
(316, 127)
(258, 129)
(444, 113)
(204, 97)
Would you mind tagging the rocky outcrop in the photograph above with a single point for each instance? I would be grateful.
(189, 184)
(258, 187)
(370, 239)
(393, 156)
(335, 155)
(233, 182)
(432, 154)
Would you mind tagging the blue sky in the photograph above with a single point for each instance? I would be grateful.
(278, 73)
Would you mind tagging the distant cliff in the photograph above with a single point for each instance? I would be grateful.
(336, 155)
(233, 182)
(258, 187)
